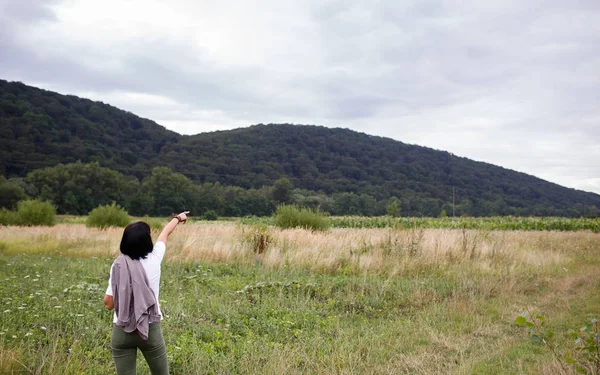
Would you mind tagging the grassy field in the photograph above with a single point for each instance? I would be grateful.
(345, 301)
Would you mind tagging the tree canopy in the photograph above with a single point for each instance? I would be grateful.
(79, 153)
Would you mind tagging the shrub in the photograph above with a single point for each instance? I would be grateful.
(210, 215)
(155, 223)
(258, 238)
(8, 217)
(35, 212)
(290, 216)
(582, 356)
(108, 216)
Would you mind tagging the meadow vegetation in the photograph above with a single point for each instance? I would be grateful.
(290, 216)
(480, 223)
(28, 213)
(110, 215)
(342, 301)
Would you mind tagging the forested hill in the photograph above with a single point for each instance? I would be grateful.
(342, 160)
(42, 128)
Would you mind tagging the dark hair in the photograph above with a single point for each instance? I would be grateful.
(136, 241)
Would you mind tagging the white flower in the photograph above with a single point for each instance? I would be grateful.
(28, 334)
(43, 328)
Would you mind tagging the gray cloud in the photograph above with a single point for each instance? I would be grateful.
(508, 82)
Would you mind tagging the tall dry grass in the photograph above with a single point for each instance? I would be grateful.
(388, 251)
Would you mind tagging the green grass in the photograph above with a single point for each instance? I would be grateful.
(70, 219)
(245, 319)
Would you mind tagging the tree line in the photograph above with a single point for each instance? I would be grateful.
(77, 188)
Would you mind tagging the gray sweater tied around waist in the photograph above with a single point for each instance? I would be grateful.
(135, 303)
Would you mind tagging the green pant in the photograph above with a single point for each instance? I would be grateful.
(125, 345)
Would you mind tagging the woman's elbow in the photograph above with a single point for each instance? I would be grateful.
(109, 302)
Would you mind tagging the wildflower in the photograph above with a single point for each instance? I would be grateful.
(43, 328)
(28, 334)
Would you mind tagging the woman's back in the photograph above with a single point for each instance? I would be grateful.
(129, 334)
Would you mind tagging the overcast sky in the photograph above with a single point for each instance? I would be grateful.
(515, 83)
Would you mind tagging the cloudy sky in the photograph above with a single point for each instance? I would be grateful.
(515, 83)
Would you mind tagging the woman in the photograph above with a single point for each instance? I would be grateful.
(133, 290)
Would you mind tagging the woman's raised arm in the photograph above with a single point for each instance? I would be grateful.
(168, 229)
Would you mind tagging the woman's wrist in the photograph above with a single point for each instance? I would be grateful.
(181, 217)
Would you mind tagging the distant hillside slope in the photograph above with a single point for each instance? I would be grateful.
(42, 128)
(341, 160)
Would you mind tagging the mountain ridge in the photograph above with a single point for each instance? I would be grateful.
(44, 128)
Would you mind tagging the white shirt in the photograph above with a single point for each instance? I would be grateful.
(152, 267)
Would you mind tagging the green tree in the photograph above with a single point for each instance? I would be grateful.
(168, 192)
(282, 190)
(10, 194)
(77, 188)
(392, 207)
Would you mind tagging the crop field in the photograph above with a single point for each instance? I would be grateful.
(481, 223)
(242, 299)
